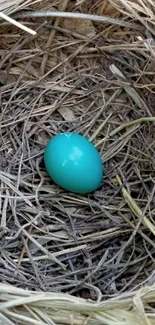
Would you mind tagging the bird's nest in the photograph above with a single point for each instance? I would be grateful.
(66, 258)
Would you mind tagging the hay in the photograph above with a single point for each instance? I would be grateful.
(25, 307)
(65, 258)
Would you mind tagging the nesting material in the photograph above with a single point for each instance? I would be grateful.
(7, 7)
(24, 307)
(67, 258)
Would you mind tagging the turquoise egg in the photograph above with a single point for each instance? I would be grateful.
(73, 163)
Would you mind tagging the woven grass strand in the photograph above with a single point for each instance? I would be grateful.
(58, 308)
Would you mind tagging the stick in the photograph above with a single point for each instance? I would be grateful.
(16, 23)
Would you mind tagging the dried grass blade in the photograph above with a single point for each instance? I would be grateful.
(17, 24)
(134, 207)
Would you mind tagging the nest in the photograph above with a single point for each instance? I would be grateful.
(86, 67)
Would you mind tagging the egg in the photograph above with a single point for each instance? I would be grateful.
(73, 163)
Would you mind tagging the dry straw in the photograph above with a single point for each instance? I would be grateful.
(9, 6)
(87, 67)
(24, 307)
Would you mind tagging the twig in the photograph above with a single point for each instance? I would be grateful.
(134, 207)
(51, 36)
(16, 23)
(130, 90)
(56, 254)
(102, 19)
(23, 250)
(125, 125)
(100, 128)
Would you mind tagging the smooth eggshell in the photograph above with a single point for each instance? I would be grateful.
(73, 163)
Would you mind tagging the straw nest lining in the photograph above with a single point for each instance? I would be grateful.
(25, 307)
(95, 78)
